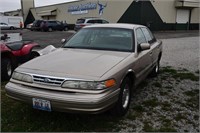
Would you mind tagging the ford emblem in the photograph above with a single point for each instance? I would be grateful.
(46, 80)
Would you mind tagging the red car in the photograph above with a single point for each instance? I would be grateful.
(14, 52)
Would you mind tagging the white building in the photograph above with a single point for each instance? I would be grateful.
(156, 14)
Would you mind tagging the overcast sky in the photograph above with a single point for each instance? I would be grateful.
(9, 5)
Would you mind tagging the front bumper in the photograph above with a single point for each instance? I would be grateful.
(64, 101)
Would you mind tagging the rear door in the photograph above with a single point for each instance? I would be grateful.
(59, 26)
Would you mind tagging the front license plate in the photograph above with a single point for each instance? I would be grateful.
(41, 104)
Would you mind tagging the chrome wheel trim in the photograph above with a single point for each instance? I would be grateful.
(157, 67)
(9, 68)
(125, 96)
(50, 29)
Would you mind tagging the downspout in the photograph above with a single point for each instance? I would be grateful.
(22, 8)
(190, 14)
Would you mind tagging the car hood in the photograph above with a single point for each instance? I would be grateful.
(83, 62)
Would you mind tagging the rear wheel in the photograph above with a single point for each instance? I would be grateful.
(50, 29)
(7, 68)
(156, 69)
(12, 28)
(123, 103)
(65, 29)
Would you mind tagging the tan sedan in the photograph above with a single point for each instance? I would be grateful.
(95, 71)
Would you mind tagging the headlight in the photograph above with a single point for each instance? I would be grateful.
(22, 77)
(89, 84)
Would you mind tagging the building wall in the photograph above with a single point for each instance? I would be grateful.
(166, 10)
(13, 13)
(158, 14)
(112, 12)
(195, 15)
(26, 5)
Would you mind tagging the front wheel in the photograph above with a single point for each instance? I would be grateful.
(7, 68)
(33, 55)
(123, 103)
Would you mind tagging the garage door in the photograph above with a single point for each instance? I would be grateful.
(182, 19)
(182, 16)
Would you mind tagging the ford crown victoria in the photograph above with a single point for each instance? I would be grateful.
(95, 71)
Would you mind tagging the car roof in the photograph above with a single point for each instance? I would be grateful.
(93, 18)
(115, 25)
(88, 17)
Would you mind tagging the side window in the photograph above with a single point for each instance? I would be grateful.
(140, 36)
(59, 23)
(104, 21)
(147, 34)
(91, 21)
(99, 21)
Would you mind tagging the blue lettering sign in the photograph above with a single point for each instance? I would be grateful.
(82, 7)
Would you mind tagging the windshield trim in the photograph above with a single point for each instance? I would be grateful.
(91, 48)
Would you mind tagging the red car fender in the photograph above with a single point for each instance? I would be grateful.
(26, 49)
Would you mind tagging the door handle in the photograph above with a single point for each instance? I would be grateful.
(151, 53)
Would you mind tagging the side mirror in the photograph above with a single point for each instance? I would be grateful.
(145, 46)
(63, 41)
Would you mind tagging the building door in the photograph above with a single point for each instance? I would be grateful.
(182, 19)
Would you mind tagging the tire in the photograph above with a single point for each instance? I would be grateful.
(156, 69)
(7, 68)
(33, 55)
(123, 103)
(12, 28)
(50, 29)
(65, 29)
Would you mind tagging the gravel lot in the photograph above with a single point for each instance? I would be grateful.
(181, 53)
(167, 103)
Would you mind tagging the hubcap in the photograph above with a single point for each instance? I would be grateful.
(157, 67)
(125, 96)
(9, 69)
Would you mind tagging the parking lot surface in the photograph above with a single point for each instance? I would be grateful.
(181, 53)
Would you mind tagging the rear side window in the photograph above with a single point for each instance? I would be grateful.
(104, 22)
(80, 21)
(148, 35)
(99, 21)
(52, 22)
(92, 21)
(59, 23)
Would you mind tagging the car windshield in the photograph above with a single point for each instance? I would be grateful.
(115, 39)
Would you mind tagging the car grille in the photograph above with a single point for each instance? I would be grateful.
(48, 80)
